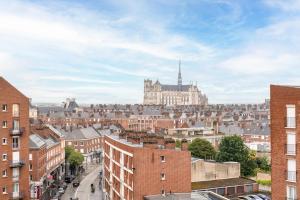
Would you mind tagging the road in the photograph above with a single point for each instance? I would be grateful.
(83, 192)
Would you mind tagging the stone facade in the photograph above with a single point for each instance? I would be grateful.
(160, 94)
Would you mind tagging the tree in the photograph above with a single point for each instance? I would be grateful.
(178, 143)
(68, 151)
(201, 148)
(75, 159)
(232, 148)
(263, 163)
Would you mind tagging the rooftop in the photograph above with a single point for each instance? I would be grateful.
(220, 183)
(199, 195)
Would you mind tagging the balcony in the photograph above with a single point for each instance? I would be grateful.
(291, 176)
(16, 163)
(290, 149)
(16, 195)
(291, 198)
(15, 131)
(290, 122)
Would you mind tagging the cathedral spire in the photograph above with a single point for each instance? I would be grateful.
(179, 74)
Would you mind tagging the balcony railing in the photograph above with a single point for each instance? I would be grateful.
(16, 163)
(15, 178)
(291, 175)
(290, 149)
(16, 195)
(290, 122)
(15, 131)
(291, 198)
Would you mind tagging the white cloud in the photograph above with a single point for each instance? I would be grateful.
(286, 5)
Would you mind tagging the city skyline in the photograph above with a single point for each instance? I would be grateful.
(234, 51)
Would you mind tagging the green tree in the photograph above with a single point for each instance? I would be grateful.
(68, 151)
(201, 148)
(75, 159)
(263, 163)
(178, 143)
(232, 148)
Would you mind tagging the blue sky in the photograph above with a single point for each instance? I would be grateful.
(101, 51)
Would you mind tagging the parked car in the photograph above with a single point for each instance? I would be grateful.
(245, 198)
(61, 190)
(69, 179)
(76, 183)
(254, 197)
(264, 197)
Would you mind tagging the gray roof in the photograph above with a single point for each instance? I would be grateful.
(35, 141)
(175, 87)
(80, 134)
(195, 195)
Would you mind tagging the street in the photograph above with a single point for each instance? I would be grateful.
(83, 192)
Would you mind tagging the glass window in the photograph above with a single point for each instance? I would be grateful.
(4, 124)
(4, 173)
(4, 141)
(15, 143)
(4, 107)
(16, 187)
(291, 173)
(291, 144)
(162, 176)
(4, 157)
(162, 159)
(291, 193)
(4, 190)
(291, 116)
(16, 111)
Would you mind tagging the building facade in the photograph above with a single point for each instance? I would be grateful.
(134, 169)
(161, 94)
(14, 148)
(285, 109)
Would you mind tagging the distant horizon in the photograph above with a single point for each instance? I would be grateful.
(101, 51)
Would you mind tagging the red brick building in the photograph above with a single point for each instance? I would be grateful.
(136, 166)
(14, 129)
(285, 107)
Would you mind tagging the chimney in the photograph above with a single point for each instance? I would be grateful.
(150, 144)
(184, 145)
(169, 143)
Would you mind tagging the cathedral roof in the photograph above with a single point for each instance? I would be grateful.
(175, 87)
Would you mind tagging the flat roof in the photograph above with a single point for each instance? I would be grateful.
(123, 141)
(221, 183)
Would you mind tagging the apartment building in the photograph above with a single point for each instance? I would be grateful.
(285, 109)
(55, 160)
(87, 141)
(139, 166)
(14, 133)
(37, 165)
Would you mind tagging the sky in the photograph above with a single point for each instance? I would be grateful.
(101, 51)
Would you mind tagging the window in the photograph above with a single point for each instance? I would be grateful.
(81, 143)
(163, 192)
(16, 187)
(291, 193)
(4, 173)
(16, 124)
(4, 108)
(30, 156)
(4, 157)
(4, 124)
(162, 159)
(291, 172)
(30, 167)
(4, 190)
(291, 144)
(290, 116)
(4, 141)
(30, 177)
(16, 110)
(15, 144)
(162, 176)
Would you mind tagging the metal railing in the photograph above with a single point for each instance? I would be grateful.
(16, 195)
(17, 131)
(16, 163)
(291, 175)
(290, 149)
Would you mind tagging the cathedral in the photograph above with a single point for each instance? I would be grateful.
(170, 95)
